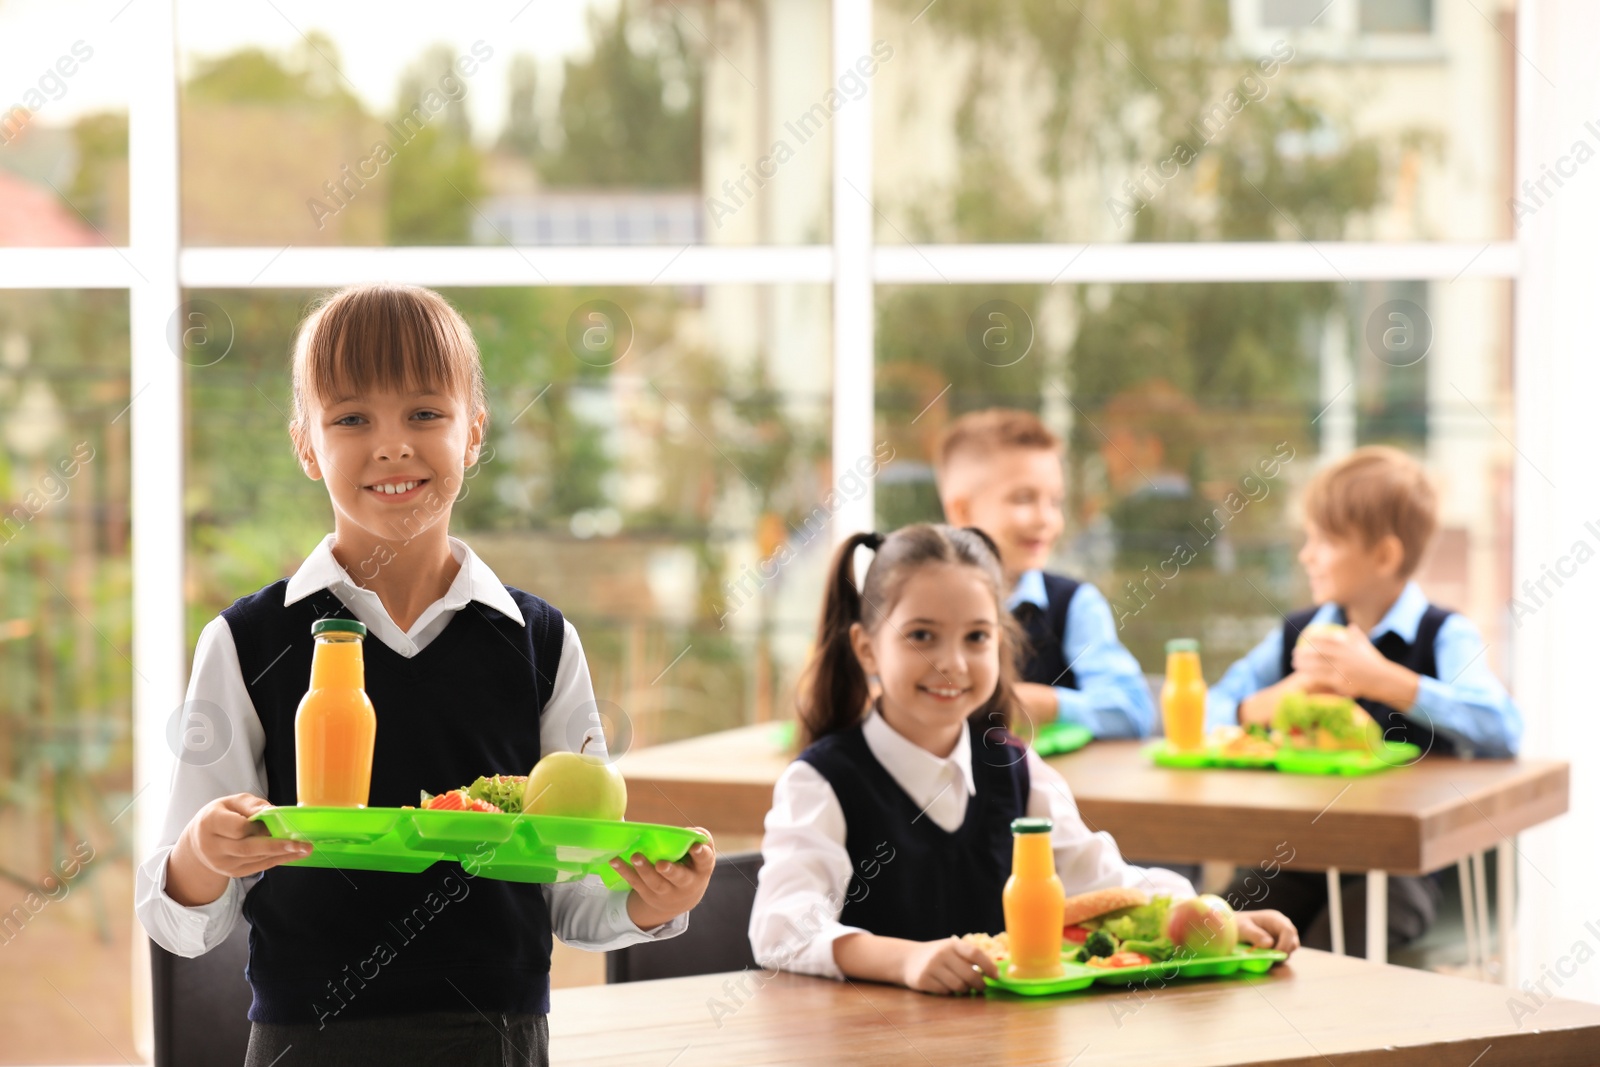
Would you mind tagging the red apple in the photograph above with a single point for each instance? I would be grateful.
(1203, 926)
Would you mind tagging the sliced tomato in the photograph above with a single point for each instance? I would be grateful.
(1127, 959)
(1075, 933)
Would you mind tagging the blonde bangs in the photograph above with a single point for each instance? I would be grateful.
(384, 338)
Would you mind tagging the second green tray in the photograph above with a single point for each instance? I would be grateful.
(514, 848)
(1293, 760)
(1082, 976)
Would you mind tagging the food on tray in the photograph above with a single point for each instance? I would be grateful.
(1324, 721)
(576, 785)
(1203, 927)
(1239, 742)
(1118, 927)
(997, 946)
(1086, 906)
(490, 793)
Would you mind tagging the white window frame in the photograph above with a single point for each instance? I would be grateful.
(154, 268)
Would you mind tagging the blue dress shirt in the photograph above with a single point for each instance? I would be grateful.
(1466, 702)
(1112, 699)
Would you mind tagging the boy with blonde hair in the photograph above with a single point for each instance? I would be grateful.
(1417, 668)
(1000, 470)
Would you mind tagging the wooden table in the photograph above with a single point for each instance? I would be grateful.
(1316, 1009)
(1412, 820)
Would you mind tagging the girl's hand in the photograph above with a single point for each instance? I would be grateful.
(220, 843)
(948, 966)
(663, 891)
(1268, 929)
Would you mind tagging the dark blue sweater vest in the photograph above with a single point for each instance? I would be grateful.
(909, 877)
(328, 944)
(1044, 662)
(1417, 657)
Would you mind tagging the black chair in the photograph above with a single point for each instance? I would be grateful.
(718, 937)
(200, 1004)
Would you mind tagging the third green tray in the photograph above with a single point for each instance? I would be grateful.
(1292, 760)
(514, 848)
(1081, 976)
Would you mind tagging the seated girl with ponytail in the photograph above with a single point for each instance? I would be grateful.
(890, 835)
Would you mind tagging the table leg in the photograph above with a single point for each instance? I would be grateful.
(1335, 912)
(1468, 912)
(1378, 916)
(1480, 889)
(1506, 884)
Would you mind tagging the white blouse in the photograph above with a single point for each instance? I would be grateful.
(584, 914)
(806, 870)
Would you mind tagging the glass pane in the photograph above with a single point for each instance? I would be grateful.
(1194, 414)
(63, 125)
(655, 464)
(66, 867)
(582, 124)
(1105, 121)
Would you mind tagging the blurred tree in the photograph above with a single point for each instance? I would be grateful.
(630, 113)
(435, 177)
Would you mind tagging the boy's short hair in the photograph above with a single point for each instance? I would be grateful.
(979, 435)
(385, 337)
(1374, 492)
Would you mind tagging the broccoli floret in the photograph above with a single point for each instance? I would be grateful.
(1100, 943)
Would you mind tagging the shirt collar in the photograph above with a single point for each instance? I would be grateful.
(1402, 618)
(473, 582)
(919, 772)
(1029, 590)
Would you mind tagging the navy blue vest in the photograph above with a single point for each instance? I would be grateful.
(910, 878)
(1044, 662)
(328, 944)
(1417, 657)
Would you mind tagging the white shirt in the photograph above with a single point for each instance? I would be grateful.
(584, 914)
(806, 870)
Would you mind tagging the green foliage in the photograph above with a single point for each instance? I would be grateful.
(630, 114)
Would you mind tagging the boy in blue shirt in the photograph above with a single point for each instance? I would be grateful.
(1000, 470)
(1418, 669)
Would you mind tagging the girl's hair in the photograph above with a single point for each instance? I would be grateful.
(833, 690)
(382, 337)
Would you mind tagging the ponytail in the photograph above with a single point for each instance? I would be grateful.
(833, 691)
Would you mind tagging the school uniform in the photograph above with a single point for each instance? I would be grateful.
(1461, 709)
(1073, 646)
(485, 681)
(870, 832)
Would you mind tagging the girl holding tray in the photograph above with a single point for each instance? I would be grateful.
(890, 836)
(469, 676)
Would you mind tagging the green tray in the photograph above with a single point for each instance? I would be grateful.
(1082, 976)
(1292, 760)
(1059, 738)
(513, 848)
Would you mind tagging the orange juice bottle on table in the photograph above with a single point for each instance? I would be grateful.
(335, 727)
(1035, 903)
(1183, 697)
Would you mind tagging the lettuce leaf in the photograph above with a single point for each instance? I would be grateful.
(504, 791)
(1144, 922)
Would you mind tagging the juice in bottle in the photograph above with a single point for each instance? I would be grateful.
(1183, 696)
(1035, 903)
(335, 727)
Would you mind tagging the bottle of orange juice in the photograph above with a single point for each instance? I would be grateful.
(1183, 697)
(1035, 903)
(335, 728)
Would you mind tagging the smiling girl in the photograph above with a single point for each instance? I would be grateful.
(469, 676)
(890, 836)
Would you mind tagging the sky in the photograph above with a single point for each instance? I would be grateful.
(376, 41)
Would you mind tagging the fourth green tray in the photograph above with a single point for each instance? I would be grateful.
(1081, 976)
(514, 848)
(1294, 760)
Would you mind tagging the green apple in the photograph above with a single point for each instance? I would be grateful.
(1318, 629)
(575, 785)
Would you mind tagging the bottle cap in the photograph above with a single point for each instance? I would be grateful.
(1182, 644)
(1031, 826)
(347, 626)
